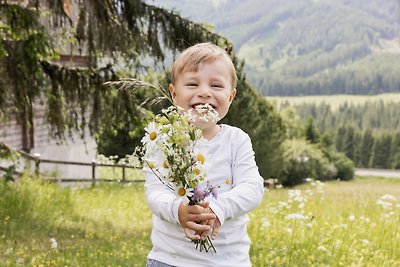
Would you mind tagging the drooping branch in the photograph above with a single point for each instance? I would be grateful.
(126, 30)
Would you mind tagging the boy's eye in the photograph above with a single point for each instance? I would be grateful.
(217, 85)
(191, 84)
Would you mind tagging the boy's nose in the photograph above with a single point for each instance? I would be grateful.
(204, 91)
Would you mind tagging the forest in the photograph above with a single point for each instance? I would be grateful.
(368, 134)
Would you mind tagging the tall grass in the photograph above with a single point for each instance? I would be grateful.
(333, 224)
(108, 225)
(338, 224)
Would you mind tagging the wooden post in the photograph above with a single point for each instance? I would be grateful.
(37, 164)
(123, 173)
(93, 172)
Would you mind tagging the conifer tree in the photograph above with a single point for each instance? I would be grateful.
(339, 141)
(311, 132)
(349, 142)
(396, 151)
(382, 152)
(367, 144)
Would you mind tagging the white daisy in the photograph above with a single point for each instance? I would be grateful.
(184, 193)
(152, 133)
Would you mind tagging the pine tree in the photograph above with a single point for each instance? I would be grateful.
(357, 147)
(339, 140)
(382, 152)
(366, 149)
(396, 151)
(349, 142)
(311, 132)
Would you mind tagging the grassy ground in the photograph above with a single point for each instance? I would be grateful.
(333, 224)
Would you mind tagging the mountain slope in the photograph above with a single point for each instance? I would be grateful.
(295, 47)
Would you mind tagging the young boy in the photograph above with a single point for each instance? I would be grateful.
(205, 74)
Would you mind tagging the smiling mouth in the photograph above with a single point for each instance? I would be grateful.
(205, 106)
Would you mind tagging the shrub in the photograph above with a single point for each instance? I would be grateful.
(301, 160)
(344, 166)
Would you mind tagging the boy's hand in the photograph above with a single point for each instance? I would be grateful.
(192, 218)
(214, 224)
(216, 227)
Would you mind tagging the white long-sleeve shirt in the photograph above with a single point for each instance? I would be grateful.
(230, 156)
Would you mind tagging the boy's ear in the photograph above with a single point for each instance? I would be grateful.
(171, 89)
(233, 95)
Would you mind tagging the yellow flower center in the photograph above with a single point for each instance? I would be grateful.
(153, 135)
(200, 158)
(181, 191)
(150, 164)
(165, 164)
(196, 171)
(228, 181)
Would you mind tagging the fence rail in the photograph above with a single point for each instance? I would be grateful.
(94, 165)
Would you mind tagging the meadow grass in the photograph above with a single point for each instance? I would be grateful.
(335, 101)
(334, 224)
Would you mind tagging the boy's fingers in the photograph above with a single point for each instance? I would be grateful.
(195, 209)
(201, 217)
(215, 232)
(197, 227)
(205, 204)
(191, 235)
(216, 228)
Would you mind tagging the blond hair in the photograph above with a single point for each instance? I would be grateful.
(192, 57)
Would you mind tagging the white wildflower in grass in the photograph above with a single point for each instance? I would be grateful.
(278, 186)
(365, 241)
(309, 192)
(284, 205)
(365, 219)
(53, 242)
(265, 223)
(384, 204)
(8, 251)
(295, 216)
(309, 180)
(342, 225)
(352, 218)
(322, 248)
(289, 230)
(172, 151)
(274, 210)
(388, 197)
(389, 214)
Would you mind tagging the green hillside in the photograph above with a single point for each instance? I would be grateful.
(304, 47)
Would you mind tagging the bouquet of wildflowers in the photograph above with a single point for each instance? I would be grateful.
(172, 151)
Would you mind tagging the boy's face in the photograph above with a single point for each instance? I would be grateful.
(210, 84)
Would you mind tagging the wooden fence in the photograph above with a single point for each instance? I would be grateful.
(94, 166)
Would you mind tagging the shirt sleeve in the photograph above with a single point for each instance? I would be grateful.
(161, 200)
(248, 185)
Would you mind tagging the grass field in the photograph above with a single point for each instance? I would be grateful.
(334, 224)
(335, 101)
